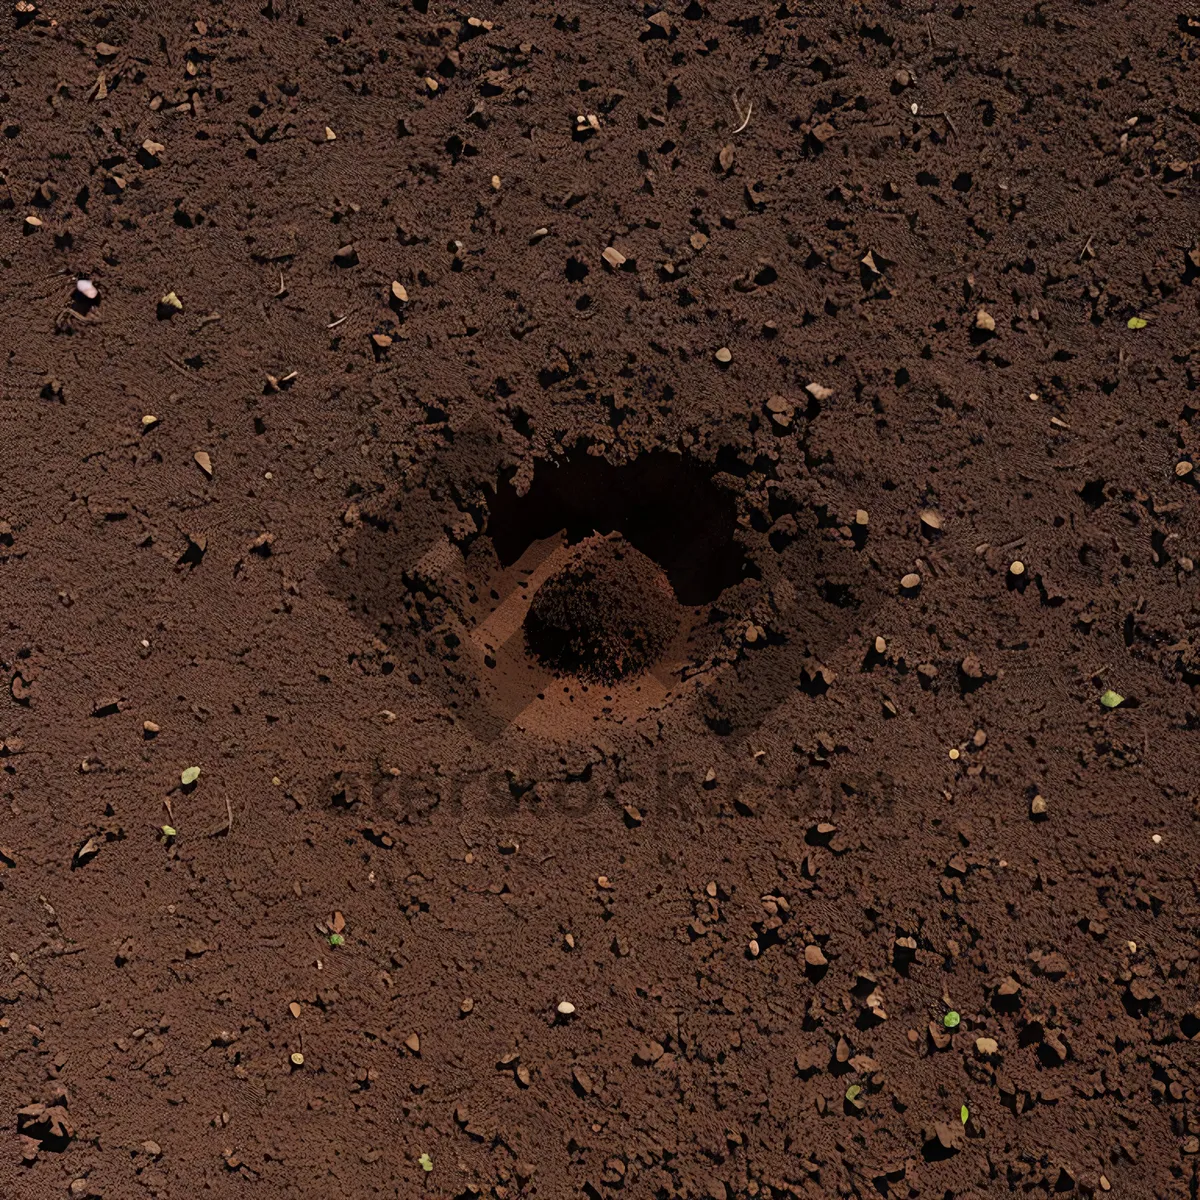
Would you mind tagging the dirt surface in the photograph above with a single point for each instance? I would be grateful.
(386, 308)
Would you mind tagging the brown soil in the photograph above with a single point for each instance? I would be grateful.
(608, 611)
(397, 304)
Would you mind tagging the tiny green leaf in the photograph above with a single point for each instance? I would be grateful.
(853, 1092)
(336, 939)
(962, 1112)
(168, 830)
(189, 775)
(1111, 699)
(951, 1020)
(426, 1162)
(1137, 322)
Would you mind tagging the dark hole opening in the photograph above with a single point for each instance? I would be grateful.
(666, 506)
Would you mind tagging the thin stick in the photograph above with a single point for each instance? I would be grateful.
(178, 366)
(335, 324)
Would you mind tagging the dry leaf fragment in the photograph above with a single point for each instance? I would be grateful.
(204, 462)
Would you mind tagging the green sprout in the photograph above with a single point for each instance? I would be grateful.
(426, 1162)
(963, 1114)
(1111, 699)
(855, 1098)
(169, 831)
(336, 939)
(1137, 323)
(189, 775)
(951, 1020)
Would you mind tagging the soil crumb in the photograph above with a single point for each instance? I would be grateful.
(608, 612)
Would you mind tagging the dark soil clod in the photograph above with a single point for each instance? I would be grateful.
(607, 613)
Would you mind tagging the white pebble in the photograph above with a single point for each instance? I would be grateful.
(85, 287)
(565, 1008)
(1157, 839)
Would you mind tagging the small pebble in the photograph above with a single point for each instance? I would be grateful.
(399, 292)
(985, 321)
(723, 355)
(1183, 468)
(880, 645)
(294, 1009)
(1016, 567)
(149, 421)
(297, 1059)
(466, 1006)
(954, 754)
(204, 462)
(85, 287)
(1157, 839)
(613, 257)
(495, 183)
(565, 1008)
(910, 581)
(330, 136)
(862, 517)
(1038, 806)
(814, 957)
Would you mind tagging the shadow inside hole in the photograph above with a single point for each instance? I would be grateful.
(667, 506)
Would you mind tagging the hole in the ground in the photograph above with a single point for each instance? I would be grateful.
(666, 506)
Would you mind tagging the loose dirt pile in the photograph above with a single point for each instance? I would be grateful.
(607, 612)
(329, 329)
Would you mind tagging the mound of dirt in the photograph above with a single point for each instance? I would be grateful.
(607, 613)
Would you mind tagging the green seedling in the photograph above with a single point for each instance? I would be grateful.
(1111, 699)
(951, 1019)
(426, 1162)
(854, 1096)
(189, 775)
(964, 1115)
(336, 939)
(1137, 323)
(169, 831)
